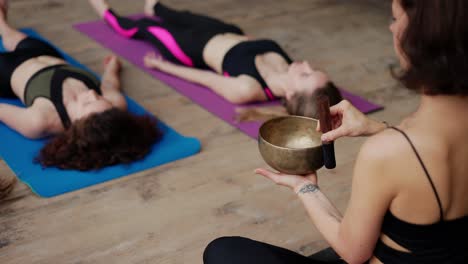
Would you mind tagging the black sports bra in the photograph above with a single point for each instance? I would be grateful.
(48, 83)
(441, 242)
(240, 59)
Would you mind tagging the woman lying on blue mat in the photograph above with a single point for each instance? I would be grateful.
(220, 56)
(88, 117)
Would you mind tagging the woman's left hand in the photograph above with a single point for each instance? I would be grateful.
(292, 181)
(112, 62)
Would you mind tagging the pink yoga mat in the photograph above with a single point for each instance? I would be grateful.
(134, 50)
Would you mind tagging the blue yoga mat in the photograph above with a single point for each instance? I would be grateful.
(19, 152)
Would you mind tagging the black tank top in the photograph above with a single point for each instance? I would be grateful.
(48, 83)
(240, 59)
(441, 242)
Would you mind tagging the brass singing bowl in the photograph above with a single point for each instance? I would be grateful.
(291, 145)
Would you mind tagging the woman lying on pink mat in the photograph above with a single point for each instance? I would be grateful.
(221, 57)
(87, 118)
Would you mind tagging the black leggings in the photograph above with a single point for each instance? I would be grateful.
(26, 49)
(240, 250)
(180, 36)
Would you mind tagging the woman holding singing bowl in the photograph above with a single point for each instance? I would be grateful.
(408, 200)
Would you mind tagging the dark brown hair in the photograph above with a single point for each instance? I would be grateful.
(303, 104)
(111, 137)
(435, 43)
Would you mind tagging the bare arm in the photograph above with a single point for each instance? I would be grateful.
(25, 121)
(236, 90)
(110, 83)
(353, 236)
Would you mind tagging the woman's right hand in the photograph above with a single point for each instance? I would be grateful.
(153, 61)
(347, 120)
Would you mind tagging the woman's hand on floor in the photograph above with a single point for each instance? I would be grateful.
(153, 61)
(347, 120)
(294, 182)
(256, 113)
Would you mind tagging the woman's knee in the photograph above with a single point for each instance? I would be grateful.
(223, 249)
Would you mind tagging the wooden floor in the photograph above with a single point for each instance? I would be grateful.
(170, 213)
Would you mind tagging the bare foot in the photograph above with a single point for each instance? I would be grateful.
(6, 185)
(149, 7)
(100, 6)
(112, 63)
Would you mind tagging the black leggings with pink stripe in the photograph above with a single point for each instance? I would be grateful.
(180, 36)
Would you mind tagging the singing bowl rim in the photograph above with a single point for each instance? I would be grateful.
(260, 134)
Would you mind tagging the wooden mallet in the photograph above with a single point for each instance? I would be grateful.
(323, 107)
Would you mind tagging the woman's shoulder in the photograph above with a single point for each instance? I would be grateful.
(399, 155)
(385, 145)
(44, 117)
(383, 162)
(380, 163)
(403, 140)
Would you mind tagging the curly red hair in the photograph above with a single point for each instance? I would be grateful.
(102, 139)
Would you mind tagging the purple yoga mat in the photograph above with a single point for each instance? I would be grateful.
(134, 50)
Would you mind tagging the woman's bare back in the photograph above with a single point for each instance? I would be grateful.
(443, 151)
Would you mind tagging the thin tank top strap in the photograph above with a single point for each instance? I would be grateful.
(441, 211)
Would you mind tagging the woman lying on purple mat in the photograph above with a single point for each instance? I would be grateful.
(220, 56)
(87, 117)
(409, 190)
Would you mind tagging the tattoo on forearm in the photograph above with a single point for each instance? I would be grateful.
(309, 188)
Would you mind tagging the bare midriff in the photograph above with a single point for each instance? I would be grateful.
(27, 69)
(218, 46)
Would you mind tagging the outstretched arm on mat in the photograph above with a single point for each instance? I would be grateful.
(25, 121)
(257, 113)
(236, 90)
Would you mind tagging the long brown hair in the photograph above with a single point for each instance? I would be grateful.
(303, 104)
(102, 139)
(435, 43)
